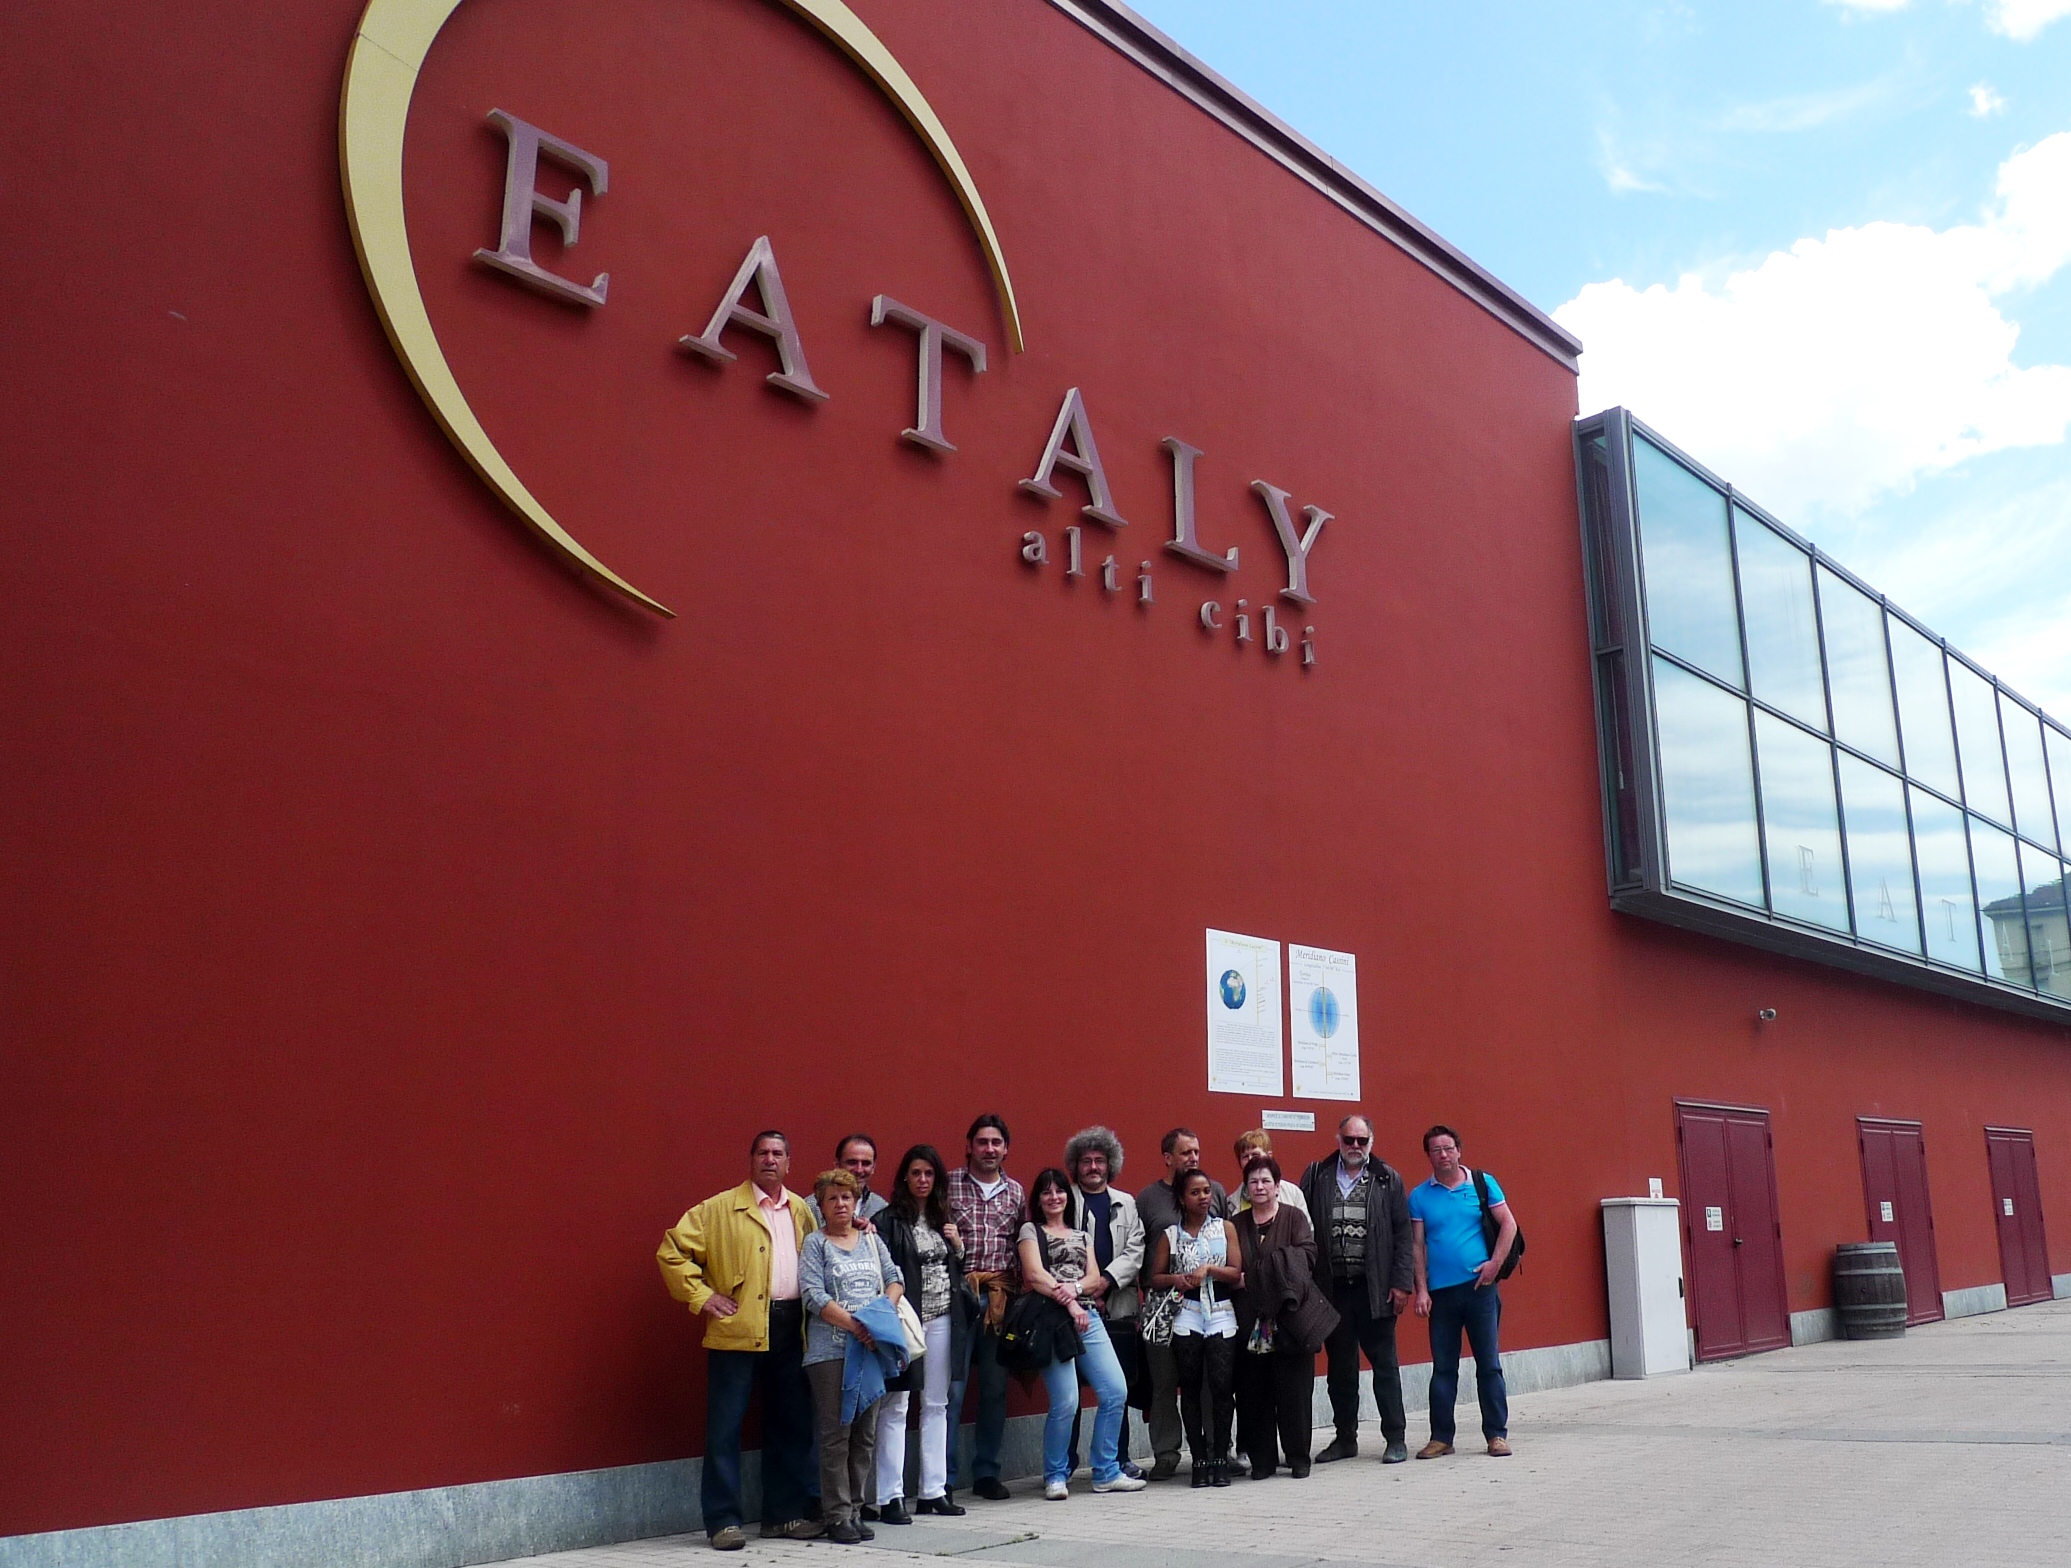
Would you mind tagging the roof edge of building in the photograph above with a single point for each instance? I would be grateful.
(1122, 29)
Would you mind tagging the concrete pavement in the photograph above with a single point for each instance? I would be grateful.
(1951, 1446)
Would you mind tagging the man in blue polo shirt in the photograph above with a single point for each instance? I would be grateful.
(1456, 1289)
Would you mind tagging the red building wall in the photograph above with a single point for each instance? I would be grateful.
(400, 933)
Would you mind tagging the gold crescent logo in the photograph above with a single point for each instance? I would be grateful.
(381, 72)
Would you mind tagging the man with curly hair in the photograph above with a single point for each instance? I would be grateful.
(1094, 1159)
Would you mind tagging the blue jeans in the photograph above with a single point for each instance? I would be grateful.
(992, 1408)
(787, 1424)
(1478, 1312)
(1103, 1374)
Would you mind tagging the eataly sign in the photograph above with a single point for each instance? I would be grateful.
(1071, 446)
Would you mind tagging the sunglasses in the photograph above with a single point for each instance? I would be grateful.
(1357, 1143)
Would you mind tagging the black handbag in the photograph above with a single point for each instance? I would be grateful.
(1491, 1228)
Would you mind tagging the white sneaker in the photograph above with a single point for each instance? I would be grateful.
(1121, 1483)
(1057, 1491)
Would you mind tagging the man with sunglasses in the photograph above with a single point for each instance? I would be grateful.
(1363, 1264)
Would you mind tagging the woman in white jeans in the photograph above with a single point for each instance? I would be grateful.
(916, 1228)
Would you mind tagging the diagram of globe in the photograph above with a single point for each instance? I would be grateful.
(1232, 989)
(1323, 1012)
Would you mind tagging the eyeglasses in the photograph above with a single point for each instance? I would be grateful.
(1357, 1143)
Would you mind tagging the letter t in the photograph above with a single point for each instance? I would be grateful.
(927, 428)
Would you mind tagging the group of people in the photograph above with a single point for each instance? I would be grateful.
(1203, 1309)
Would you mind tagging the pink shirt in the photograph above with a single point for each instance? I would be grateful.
(783, 1243)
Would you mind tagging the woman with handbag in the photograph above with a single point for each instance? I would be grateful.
(924, 1243)
(1194, 1257)
(841, 1270)
(1276, 1366)
(1056, 1261)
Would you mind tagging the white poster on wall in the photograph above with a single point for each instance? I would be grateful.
(1323, 990)
(1244, 1036)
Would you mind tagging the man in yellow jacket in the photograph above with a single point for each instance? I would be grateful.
(733, 1260)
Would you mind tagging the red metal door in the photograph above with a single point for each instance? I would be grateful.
(1894, 1190)
(1730, 1230)
(2017, 1207)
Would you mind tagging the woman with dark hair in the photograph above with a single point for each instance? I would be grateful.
(1057, 1261)
(1276, 1369)
(924, 1243)
(1194, 1257)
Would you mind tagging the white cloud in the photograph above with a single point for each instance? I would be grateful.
(1809, 111)
(1985, 100)
(1869, 5)
(2023, 19)
(1849, 366)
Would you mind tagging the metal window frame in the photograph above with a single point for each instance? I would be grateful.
(1618, 624)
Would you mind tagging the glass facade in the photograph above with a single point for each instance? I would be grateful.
(1796, 762)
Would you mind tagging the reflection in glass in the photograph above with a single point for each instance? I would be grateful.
(1709, 785)
(1689, 565)
(2025, 771)
(1950, 912)
(2058, 746)
(2049, 941)
(1923, 708)
(1880, 857)
(1801, 833)
(1977, 738)
(1858, 675)
(1782, 633)
(1999, 899)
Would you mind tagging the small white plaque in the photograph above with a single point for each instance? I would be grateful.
(1653, 1186)
(1885, 1210)
(1288, 1121)
(1714, 1218)
(2007, 1204)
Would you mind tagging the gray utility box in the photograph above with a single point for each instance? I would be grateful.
(1643, 1263)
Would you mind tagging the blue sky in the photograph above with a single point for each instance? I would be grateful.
(1823, 244)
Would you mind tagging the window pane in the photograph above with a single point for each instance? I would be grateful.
(1857, 674)
(1802, 834)
(1689, 565)
(1923, 708)
(2025, 771)
(1945, 896)
(2049, 942)
(1709, 786)
(1977, 735)
(2059, 749)
(1782, 635)
(1880, 859)
(1999, 897)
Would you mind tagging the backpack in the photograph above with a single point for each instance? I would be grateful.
(1491, 1228)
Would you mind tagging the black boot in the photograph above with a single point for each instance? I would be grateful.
(945, 1505)
(894, 1512)
(1202, 1473)
(1219, 1472)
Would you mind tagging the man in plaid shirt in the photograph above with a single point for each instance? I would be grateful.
(988, 1208)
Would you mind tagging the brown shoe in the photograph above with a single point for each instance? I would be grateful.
(1434, 1450)
(1498, 1448)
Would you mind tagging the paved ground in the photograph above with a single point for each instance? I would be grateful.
(1949, 1447)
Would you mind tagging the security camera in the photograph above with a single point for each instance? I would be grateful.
(1767, 1015)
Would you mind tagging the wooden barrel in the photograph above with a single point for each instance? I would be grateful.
(1869, 1290)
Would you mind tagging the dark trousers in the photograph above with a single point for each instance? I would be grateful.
(1275, 1400)
(1127, 1339)
(1207, 1368)
(1479, 1313)
(848, 1450)
(985, 1370)
(787, 1424)
(1359, 1329)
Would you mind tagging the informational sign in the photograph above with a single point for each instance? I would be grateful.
(1244, 1037)
(1653, 1186)
(1884, 1209)
(1714, 1217)
(1323, 987)
(2008, 1203)
(1288, 1121)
